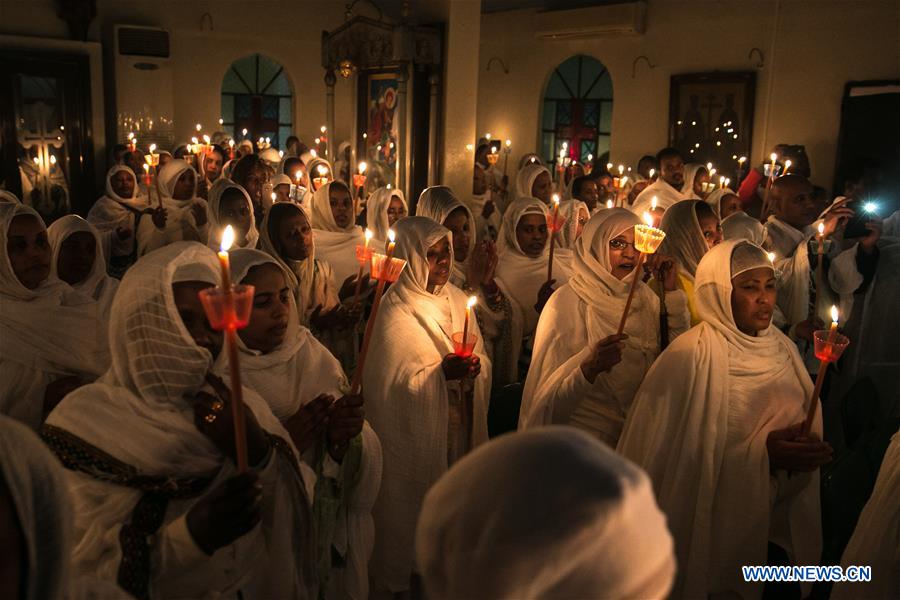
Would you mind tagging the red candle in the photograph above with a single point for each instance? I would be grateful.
(553, 236)
(465, 338)
(231, 346)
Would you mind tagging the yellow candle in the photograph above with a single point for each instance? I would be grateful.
(469, 304)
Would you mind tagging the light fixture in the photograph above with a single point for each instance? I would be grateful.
(345, 68)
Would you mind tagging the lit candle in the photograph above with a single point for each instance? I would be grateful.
(609, 204)
(506, 157)
(829, 354)
(647, 239)
(231, 149)
(469, 304)
(652, 173)
(364, 259)
(621, 170)
(609, 167)
(227, 241)
(553, 229)
(322, 179)
(787, 166)
(487, 136)
(722, 182)
(198, 126)
(653, 203)
(820, 255)
(771, 256)
(146, 174)
(389, 250)
(774, 158)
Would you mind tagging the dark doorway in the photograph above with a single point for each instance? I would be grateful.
(46, 142)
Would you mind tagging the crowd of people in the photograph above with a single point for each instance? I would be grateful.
(648, 409)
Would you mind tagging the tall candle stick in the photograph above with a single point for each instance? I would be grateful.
(553, 236)
(237, 396)
(646, 240)
(469, 304)
(820, 256)
(367, 237)
(376, 302)
(828, 355)
(506, 152)
(765, 207)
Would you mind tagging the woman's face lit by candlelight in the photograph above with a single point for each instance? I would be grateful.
(532, 234)
(395, 210)
(439, 257)
(271, 308)
(28, 250)
(458, 224)
(753, 299)
(623, 256)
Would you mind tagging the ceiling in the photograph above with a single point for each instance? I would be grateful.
(435, 11)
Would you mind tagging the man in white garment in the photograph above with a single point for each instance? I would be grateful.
(666, 189)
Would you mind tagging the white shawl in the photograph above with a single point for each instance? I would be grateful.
(98, 285)
(570, 211)
(665, 195)
(526, 177)
(138, 415)
(579, 315)
(291, 376)
(408, 400)
(519, 276)
(486, 532)
(876, 539)
(699, 425)
(216, 226)
(111, 212)
(684, 239)
(714, 199)
(376, 212)
(46, 333)
(335, 245)
(741, 226)
(180, 222)
(690, 174)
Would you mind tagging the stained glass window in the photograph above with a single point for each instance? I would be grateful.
(257, 96)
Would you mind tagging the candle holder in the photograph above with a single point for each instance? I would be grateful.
(364, 255)
(152, 159)
(463, 348)
(829, 350)
(769, 172)
(359, 180)
(492, 158)
(382, 270)
(218, 309)
(647, 239)
(588, 168)
(319, 182)
(708, 187)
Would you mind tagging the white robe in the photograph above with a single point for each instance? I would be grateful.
(289, 377)
(579, 315)
(665, 195)
(334, 245)
(46, 334)
(409, 402)
(876, 539)
(181, 225)
(137, 415)
(112, 212)
(699, 425)
(97, 285)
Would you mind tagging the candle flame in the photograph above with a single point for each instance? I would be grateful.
(556, 199)
(205, 139)
(198, 126)
(470, 147)
(281, 154)
(487, 136)
(313, 152)
(508, 143)
(52, 159)
(244, 131)
(648, 219)
(194, 140)
(771, 256)
(742, 159)
(369, 234)
(609, 166)
(274, 196)
(621, 169)
(709, 166)
(221, 121)
(834, 314)
(787, 164)
(362, 167)
(392, 236)
(653, 202)
(471, 301)
(227, 239)
(231, 143)
(624, 180)
(722, 180)
(152, 148)
(323, 129)
(322, 169)
(147, 167)
(773, 156)
(590, 157)
(609, 204)
(298, 175)
(652, 173)
(130, 134)
(821, 227)
(493, 150)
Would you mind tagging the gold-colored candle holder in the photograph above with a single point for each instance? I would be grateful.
(647, 239)
(152, 159)
(492, 158)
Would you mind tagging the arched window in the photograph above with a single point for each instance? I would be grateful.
(577, 110)
(257, 96)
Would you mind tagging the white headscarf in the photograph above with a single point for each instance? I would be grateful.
(521, 276)
(135, 201)
(98, 285)
(309, 278)
(410, 338)
(690, 173)
(6, 196)
(335, 245)
(570, 210)
(665, 195)
(376, 211)
(137, 413)
(112, 211)
(714, 199)
(312, 170)
(216, 226)
(716, 490)
(606, 536)
(526, 177)
(167, 178)
(741, 226)
(52, 327)
(684, 239)
(436, 203)
(527, 160)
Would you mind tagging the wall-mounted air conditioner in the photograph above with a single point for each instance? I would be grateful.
(628, 18)
(144, 91)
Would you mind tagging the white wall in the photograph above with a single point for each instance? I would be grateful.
(819, 45)
(287, 30)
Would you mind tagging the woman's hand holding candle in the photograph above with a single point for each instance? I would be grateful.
(457, 367)
(790, 450)
(606, 354)
(345, 422)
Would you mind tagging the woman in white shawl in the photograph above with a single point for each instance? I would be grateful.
(523, 256)
(117, 216)
(741, 226)
(876, 539)
(582, 373)
(384, 207)
(691, 230)
(230, 204)
(78, 260)
(342, 163)
(724, 202)
(336, 233)
(607, 538)
(52, 338)
(576, 215)
(412, 382)
(695, 175)
(534, 181)
(160, 508)
(305, 387)
(717, 423)
(474, 265)
(184, 215)
(316, 168)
